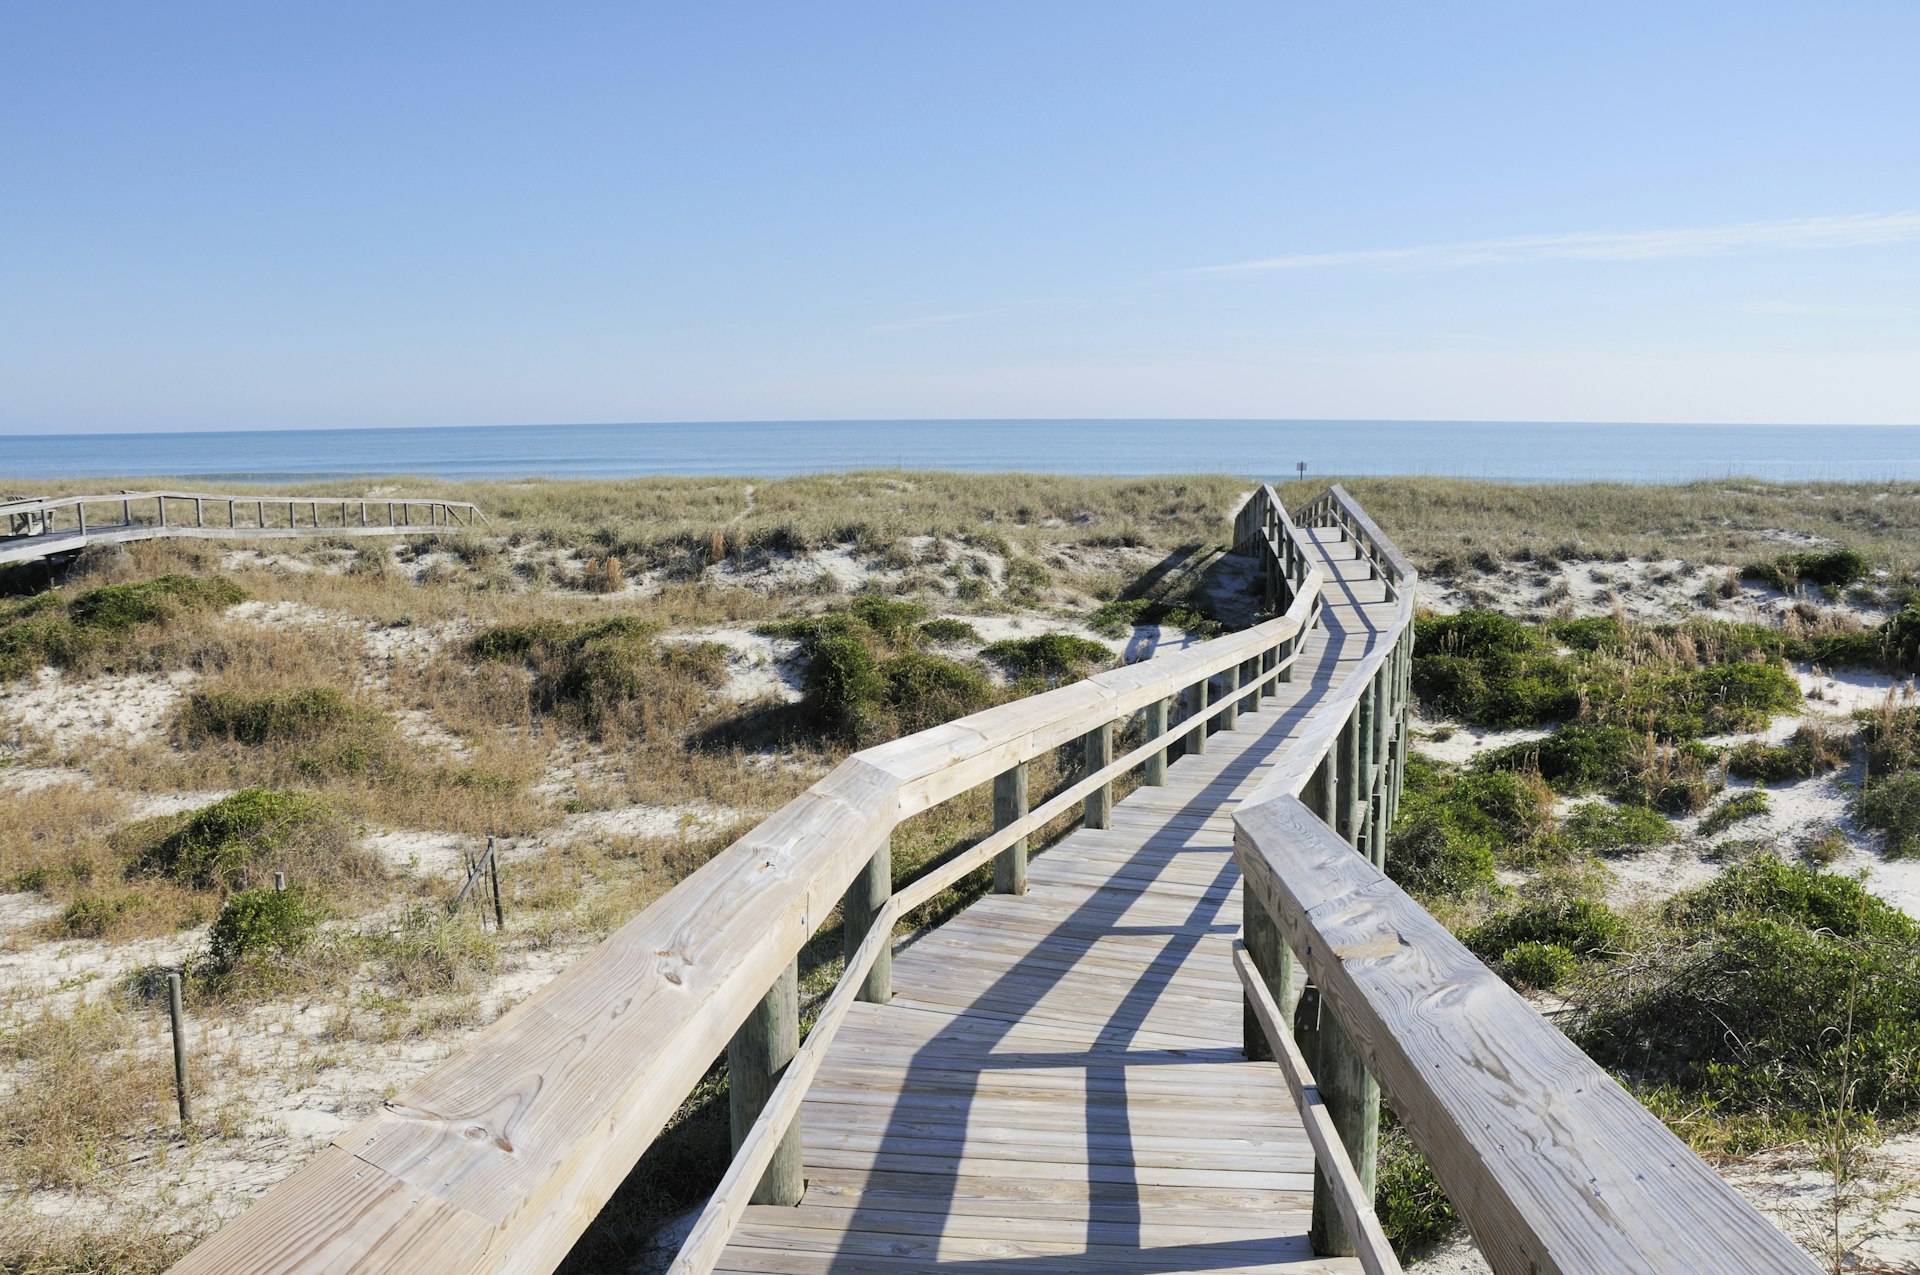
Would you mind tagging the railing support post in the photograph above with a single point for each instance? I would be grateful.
(1285, 653)
(756, 1056)
(1363, 789)
(1347, 780)
(1230, 691)
(1010, 805)
(1352, 1099)
(1099, 805)
(1156, 767)
(866, 896)
(1197, 700)
(1274, 959)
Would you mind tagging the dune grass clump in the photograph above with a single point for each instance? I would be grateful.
(293, 716)
(1491, 669)
(1778, 990)
(1579, 927)
(1891, 808)
(226, 845)
(92, 629)
(612, 676)
(948, 630)
(1891, 737)
(1452, 824)
(1049, 658)
(79, 1096)
(868, 677)
(1832, 569)
(1813, 749)
(1741, 806)
(1596, 827)
(1113, 619)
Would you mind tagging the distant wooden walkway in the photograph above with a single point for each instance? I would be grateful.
(35, 529)
(1057, 1083)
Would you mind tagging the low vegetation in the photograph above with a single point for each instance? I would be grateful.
(110, 627)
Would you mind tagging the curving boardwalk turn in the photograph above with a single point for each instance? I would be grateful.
(1057, 1084)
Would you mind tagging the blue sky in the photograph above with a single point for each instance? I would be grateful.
(231, 216)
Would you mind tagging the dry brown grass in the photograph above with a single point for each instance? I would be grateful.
(85, 1092)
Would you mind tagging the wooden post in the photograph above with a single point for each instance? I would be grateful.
(1250, 676)
(279, 882)
(1353, 1100)
(1274, 959)
(1156, 767)
(756, 1056)
(199, 511)
(1229, 691)
(80, 509)
(160, 504)
(1099, 752)
(1010, 805)
(363, 513)
(866, 896)
(1326, 788)
(1282, 657)
(233, 519)
(126, 512)
(1347, 780)
(1197, 699)
(260, 513)
(493, 870)
(179, 1047)
(1363, 786)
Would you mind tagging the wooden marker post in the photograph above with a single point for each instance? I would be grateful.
(178, 1018)
(756, 1057)
(1230, 716)
(1353, 1100)
(1010, 805)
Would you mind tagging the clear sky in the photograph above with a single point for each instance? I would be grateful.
(362, 214)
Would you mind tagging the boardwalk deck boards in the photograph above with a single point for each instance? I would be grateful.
(1058, 1083)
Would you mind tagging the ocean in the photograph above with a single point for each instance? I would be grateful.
(1508, 451)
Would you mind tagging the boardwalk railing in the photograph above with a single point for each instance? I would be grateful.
(35, 528)
(1555, 1167)
(499, 1158)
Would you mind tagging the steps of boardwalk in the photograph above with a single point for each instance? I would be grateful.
(1057, 1084)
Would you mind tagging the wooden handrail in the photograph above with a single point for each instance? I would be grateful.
(503, 1154)
(1554, 1165)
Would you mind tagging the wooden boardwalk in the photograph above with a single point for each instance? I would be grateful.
(1057, 1084)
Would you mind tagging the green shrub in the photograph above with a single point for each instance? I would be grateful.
(1491, 669)
(1582, 927)
(1598, 828)
(1539, 966)
(1891, 807)
(1778, 981)
(1573, 760)
(1741, 805)
(45, 630)
(1451, 824)
(896, 623)
(1680, 703)
(94, 916)
(219, 845)
(1113, 619)
(1048, 657)
(1594, 633)
(1832, 568)
(1413, 1211)
(610, 676)
(843, 683)
(1811, 751)
(926, 690)
(948, 630)
(256, 927)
